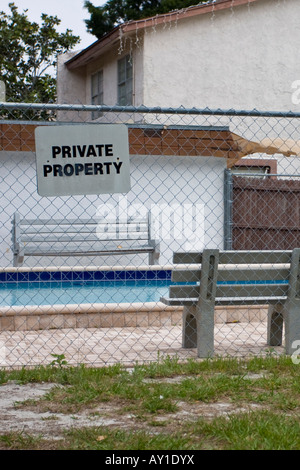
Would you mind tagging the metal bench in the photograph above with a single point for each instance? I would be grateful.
(236, 278)
(82, 237)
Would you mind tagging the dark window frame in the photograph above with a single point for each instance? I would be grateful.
(125, 81)
(97, 92)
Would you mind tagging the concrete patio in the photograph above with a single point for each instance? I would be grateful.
(106, 346)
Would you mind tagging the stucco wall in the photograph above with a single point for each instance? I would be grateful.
(174, 188)
(74, 87)
(244, 58)
(71, 88)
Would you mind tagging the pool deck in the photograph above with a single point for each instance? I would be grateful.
(104, 334)
(106, 346)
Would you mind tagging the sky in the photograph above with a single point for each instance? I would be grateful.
(70, 12)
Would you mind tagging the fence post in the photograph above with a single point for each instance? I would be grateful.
(228, 201)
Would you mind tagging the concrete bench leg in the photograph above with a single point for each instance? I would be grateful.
(275, 325)
(198, 330)
(198, 321)
(292, 305)
(189, 328)
(205, 329)
(18, 260)
(292, 325)
(289, 314)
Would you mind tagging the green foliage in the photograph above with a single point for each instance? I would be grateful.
(114, 12)
(59, 360)
(28, 52)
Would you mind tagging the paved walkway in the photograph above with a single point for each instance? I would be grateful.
(106, 346)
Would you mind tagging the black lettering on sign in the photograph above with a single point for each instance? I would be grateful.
(47, 170)
(78, 168)
(118, 166)
(81, 150)
(91, 152)
(66, 151)
(55, 151)
(88, 169)
(98, 169)
(88, 150)
(108, 150)
(57, 170)
(68, 170)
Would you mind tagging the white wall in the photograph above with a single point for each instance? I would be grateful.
(243, 58)
(172, 187)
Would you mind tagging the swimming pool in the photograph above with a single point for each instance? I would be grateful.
(60, 287)
(82, 287)
(83, 292)
(39, 298)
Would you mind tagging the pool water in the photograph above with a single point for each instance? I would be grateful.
(82, 292)
(64, 288)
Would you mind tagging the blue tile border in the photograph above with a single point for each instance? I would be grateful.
(85, 275)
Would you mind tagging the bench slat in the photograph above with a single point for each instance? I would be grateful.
(37, 229)
(222, 301)
(224, 275)
(184, 291)
(251, 290)
(255, 257)
(232, 290)
(79, 221)
(54, 239)
(186, 275)
(237, 257)
(250, 274)
(187, 258)
(250, 300)
(67, 251)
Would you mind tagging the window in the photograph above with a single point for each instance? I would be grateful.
(125, 81)
(258, 168)
(97, 92)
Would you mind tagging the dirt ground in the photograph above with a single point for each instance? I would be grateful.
(34, 420)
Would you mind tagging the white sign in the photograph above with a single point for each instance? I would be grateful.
(82, 159)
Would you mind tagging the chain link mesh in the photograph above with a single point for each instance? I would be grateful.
(208, 178)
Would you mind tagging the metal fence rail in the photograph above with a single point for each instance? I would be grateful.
(208, 179)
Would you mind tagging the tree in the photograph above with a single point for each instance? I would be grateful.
(28, 52)
(114, 12)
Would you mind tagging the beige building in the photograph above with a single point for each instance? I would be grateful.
(241, 54)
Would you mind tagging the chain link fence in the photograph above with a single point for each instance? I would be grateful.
(199, 179)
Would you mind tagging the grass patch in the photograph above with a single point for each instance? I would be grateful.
(171, 405)
(105, 439)
(20, 441)
(263, 430)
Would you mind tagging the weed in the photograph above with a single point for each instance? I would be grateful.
(59, 360)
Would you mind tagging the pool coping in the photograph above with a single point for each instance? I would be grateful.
(86, 308)
(86, 268)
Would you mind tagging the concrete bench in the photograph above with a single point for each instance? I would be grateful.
(82, 237)
(216, 277)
